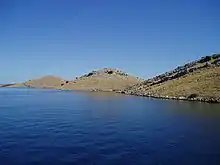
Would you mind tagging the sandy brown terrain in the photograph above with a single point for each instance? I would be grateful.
(43, 82)
(102, 80)
(199, 80)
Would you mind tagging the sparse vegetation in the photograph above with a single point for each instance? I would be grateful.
(198, 80)
(110, 72)
(205, 59)
(215, 56)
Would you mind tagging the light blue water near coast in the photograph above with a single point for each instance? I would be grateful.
(40, 127)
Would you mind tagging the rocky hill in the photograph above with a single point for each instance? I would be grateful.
(198, 80)
(107, 79)
(102, 80)
(43, 82)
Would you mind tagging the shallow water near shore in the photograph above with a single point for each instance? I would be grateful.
(65, 127)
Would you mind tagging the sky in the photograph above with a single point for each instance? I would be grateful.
(68, 38)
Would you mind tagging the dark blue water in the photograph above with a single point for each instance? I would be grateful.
(42, 127)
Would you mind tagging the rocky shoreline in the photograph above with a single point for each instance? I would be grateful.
(189, 98)
(200, 99)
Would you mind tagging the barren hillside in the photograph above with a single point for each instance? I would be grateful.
(102, 80)
(198, 80)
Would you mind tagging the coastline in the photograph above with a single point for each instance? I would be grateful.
(180, 98)
(198, 99)
(195, 81)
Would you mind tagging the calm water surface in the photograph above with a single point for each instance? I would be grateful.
(42, 127)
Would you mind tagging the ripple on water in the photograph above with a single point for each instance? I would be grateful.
(71, 128)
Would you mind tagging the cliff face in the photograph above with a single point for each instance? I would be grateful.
(107, 79)
(198, 80)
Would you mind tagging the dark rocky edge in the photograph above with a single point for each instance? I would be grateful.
(204, 62)
(108, 71)
(5, 85)
(202, 99)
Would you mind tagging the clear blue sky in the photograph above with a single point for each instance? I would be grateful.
(68, 38)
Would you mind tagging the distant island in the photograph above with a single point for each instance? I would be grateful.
(197, 81)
